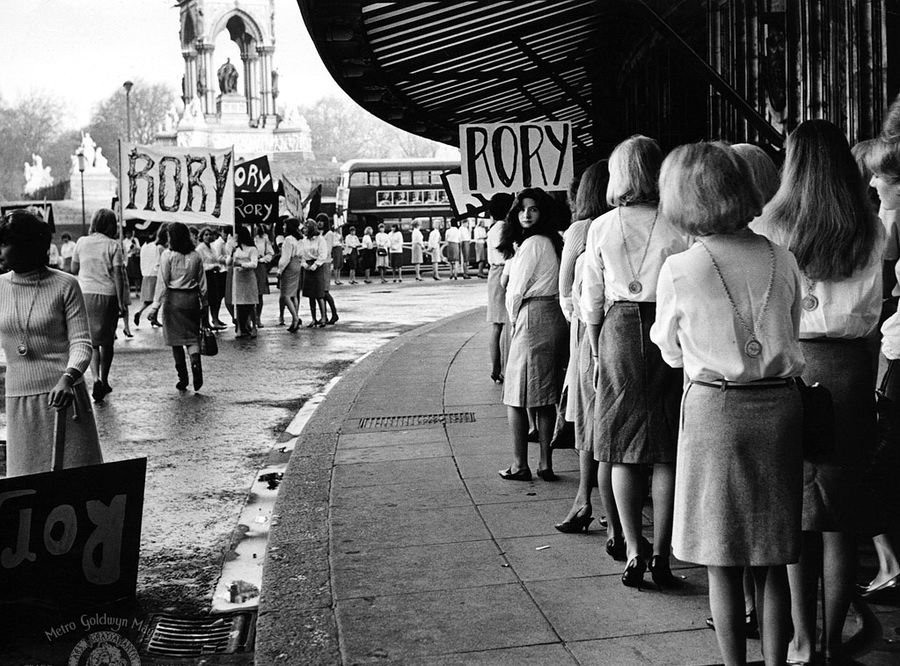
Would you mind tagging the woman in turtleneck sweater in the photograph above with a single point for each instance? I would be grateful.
(45, 335)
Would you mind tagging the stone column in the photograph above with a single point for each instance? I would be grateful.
(251, 73)
(190, 75)
(265, 79)
(209, 78)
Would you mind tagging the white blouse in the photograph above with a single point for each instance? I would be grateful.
(396, 241)
(351, 241)
(607, 271)
(314, 250)
(696, 327)
(495, 257)
(367, 243)
(289, 249)
(533, 271)
(847, 307)
(434, 240)
(382, 240)
(416, 237)
(452, 235)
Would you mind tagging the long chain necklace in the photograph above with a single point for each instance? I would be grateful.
(809, 302)
(22, 347)
(753, 347)
(635, 286)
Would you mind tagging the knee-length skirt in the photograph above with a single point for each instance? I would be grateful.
(29, 434)
(832, 490)
(103, 315)
(452, 252)
(416, 255)
(638, 395)
(580, 380)
(738, 478)
(148, 288)
(535, 365)
(337, 257)
(366, 259)
(244, 287)
(353, 259)
(290, 278)
(262, 278)
(496, 304)
(314, 283)
(229, 286)
(181, 317)
(382, 260)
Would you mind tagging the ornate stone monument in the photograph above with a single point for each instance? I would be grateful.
(233, 104)
(100, 186)
(36, 175)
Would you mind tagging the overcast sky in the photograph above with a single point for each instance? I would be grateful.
(82, 50)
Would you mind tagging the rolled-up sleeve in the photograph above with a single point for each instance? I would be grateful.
(520, 276)
(77, 328)
(664, 332)
(592, 299)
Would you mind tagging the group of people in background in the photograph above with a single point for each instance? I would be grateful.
(677, 325)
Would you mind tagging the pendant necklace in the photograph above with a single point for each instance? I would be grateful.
(809, 302)
(635, 287)
(22, 347)
(753, 347)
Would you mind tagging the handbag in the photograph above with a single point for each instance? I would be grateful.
(382, 252)
(209, 346)
(818, 419)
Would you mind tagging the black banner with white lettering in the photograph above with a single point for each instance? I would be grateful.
(72, 538)
(253, 176)
(255, 207)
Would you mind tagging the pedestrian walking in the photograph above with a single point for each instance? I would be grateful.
(728, 313)
(98, 262)
(181, 292)
(638, 395)
(149, 264)
(822, 214)
(323, 223)
(65, 252)
(213, 265)
(46, 339)
(532, 245)
(243, 259)
(290, 268)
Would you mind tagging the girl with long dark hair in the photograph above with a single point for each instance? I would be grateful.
(245, 289)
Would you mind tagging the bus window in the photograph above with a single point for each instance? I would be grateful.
(406, 224)
(358, 178)
(405, 178)
(436, 177)
(373, 178)
(420, 177)
(390, 178)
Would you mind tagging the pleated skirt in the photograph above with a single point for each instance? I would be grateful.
(739, 475)
(638, 395)
(29, 434)
(181, 317)
(832, 491)
(535, 366)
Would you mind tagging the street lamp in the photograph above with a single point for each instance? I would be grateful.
(127, 85)
(81, 164)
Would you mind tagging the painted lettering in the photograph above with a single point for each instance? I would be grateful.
(101, 561)
(63, 516)
(221, 181)
(195, 168)
(144, 174)
(562, 145)
(505, 177)
(529, 153)
(164, 183)
(474, 152)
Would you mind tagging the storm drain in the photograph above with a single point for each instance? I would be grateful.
(372, 422)
(188, 637)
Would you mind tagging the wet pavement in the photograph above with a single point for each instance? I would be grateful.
(204, 449)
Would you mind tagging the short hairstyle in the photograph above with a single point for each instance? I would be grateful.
(704, 188)
(367, 230)
(243, 235)
(883, 159)
(29, 235)
(323, 217)
(634, 172)
(351, 231)
(180, 238)
(861, 151)
(762, 168)
(104, 222)
(590, 201)
(499, 205)
(66, 236)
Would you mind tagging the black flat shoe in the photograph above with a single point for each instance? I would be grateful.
(497, 377)
(661, 573)
(523, 474)
(547, 475)
(633, 576)
(577, 523)
(615, 548)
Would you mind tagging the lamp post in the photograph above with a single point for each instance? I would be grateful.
(81, 164)
(127, 85)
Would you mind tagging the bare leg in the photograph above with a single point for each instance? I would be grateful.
(888, 566)
(106, 358)
(627, 483)
(587, 471)
(839, 572)
(546, 420)
(726, 600)
(604, 486)
(804, 583)
(494, 347)
(329, 300)
(289, 303)
(773, 611)
(663, 489)
(518, 426)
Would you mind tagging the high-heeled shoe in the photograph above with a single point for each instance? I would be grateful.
(615, 548)
(889, 584)
(661, 573)
(547, 475)
(633, 576)
(577, 523)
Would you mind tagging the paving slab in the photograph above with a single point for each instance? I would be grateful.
(374, 438)
(491, 489)
(429, 472)
(392, 452)
(674, 648)
(531, 655)
(399, 495)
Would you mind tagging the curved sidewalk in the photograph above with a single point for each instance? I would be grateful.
(399, 543)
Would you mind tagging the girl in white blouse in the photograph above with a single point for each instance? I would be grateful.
(636, 409)
(382, 251)
(537, 349)
(728, 313)
(351, 252)
(367, 254)
(822, 214)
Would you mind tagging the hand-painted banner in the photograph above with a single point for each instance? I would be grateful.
(507, 157)
(43, 207)
(293, 198)
(255, 207)
(463, 204)
(174, 184)
(253, 176)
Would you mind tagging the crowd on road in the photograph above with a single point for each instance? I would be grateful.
(705, 329)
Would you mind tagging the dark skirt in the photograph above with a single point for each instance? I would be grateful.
(832, 489)
(214, 287)
(367, 260)
(228, 294)
(536, 365)
(452, 252)
(396, 259)
(738, 481)
(262, 277)
(314, 283)
(103, 316)
(638, 395)
(881, 490)
(181, 317)
(353, 259)
(337, 258)
(290, 278)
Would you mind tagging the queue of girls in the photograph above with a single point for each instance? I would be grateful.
(695, 296)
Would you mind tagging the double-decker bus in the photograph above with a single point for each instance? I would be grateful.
(394, 192)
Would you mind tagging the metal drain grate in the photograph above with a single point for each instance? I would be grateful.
(371, 422)
(186, 637)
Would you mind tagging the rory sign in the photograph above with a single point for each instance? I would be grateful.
(506, 157)
(172, 184)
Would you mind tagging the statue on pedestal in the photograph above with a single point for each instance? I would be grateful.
(228, 77)
(36, 176)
